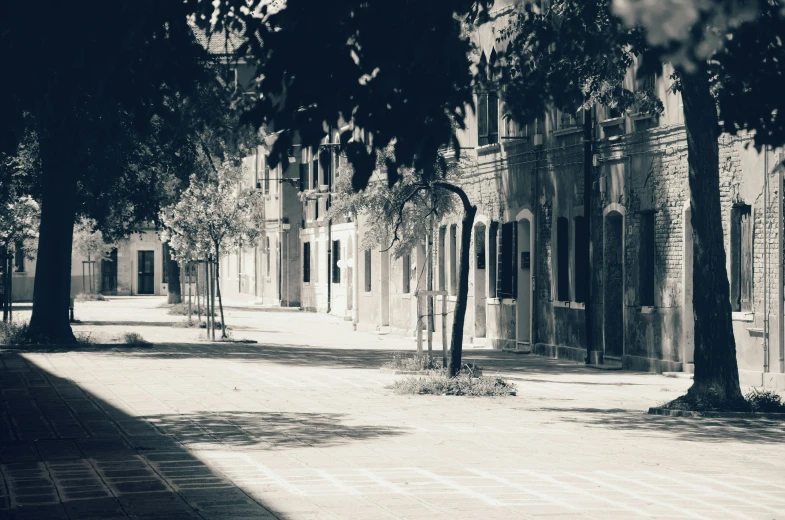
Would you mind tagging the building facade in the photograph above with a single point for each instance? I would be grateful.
(528, 283)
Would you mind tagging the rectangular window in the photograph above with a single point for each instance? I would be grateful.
(506, 278)
(315, 172)
(493, 232)
(325, 159)
(441, 259)
(406, 275)
(646, 260)
(165, 264)
(453, 260)
(562, 259)
(367, 270)
(581, 246)
(266, 176)
(336, 257)
(307, 262)
(303, 175)
(19, 258)
(741, 258)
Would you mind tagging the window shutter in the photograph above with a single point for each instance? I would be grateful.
(563, 259)
(482, 119)
(493, 118)
(746, 260)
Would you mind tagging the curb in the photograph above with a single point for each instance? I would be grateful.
(716, 415)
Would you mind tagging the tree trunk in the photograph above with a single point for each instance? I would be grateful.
(52, 287)
(190, 309)
(218, 290)
(467, 225)
(212, 294)
(175, 295)
(716, 369)
(6, 293)
(198, 301)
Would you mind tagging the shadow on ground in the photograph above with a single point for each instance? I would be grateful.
(278, 430)
(65, 454)
(692, 429)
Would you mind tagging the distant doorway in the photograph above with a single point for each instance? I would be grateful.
(109, 274)
(524, 289)
(146, 282)
(480, 291)
(613, 285)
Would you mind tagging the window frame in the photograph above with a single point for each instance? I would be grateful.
(307, 262)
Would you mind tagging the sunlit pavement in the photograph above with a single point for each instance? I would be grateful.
(301, 426)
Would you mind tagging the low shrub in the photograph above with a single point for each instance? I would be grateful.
(403, 361)
(765, 401)
(134, 338)
(462, 384)
(191, 324)
(181, 309)
(13, 333)
(90, 297)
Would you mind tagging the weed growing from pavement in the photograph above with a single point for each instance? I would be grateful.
(90, 297)
(462, 384)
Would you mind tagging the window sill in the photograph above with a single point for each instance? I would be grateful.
(487, 149)
(578, 306)
(406, 296)
(639, 116)
(614, 121)
(567, 131)
(648, 309)
(558, 303)
(452, 298)
(743, 316)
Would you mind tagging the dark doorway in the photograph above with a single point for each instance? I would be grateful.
(146, 272)
(613, 285)
(109, 274)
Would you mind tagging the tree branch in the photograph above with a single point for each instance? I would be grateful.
(467, 205)
(401, 206)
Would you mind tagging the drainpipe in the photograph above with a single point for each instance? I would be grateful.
(329, 263)
(355, 275)
(765, 259)
(588, 165)
(781, 286)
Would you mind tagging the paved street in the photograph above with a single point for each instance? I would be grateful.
(301, 426)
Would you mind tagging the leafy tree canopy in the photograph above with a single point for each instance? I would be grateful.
(399, 70)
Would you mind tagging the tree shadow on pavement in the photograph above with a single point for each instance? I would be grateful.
(277, 430)
(690, 429)
(66, 453)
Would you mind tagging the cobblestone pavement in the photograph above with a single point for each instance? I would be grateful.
(301, 426)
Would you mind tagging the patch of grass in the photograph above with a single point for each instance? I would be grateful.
(765, 401)
(462, 384)
(90, 297)
(135, 339)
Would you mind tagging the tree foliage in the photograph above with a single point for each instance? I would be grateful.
(400, 214)
(398, 70)
(19, 221)
(89, 240)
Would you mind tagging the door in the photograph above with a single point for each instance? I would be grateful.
(146, 264)
(480, 289)
(523, 316)
(109, 273)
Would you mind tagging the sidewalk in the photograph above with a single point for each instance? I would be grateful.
(301, 426)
